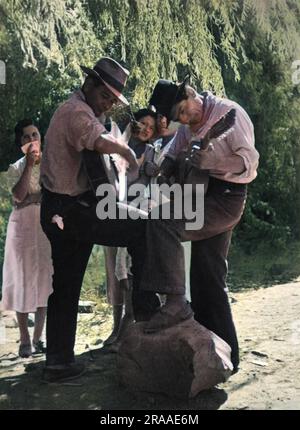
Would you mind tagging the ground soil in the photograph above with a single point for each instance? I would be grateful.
(268, 324)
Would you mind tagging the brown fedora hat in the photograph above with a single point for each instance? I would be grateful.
(112, 74)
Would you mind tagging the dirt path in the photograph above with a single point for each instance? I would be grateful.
(268, 323)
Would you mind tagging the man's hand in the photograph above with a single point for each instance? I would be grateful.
(32, 155)
(208, 160)
(195, 158)
(108, 144)
(202, 159)
(168, 167)
(130, 157)
(151, 169)
(162, 179)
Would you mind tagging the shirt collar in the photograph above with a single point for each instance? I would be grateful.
(80, 95)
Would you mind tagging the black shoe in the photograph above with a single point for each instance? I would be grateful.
(143, 316)
(25, 350)
(235, 370)
(38, 347)
(235, 361)
(145, 305)
(67, 373)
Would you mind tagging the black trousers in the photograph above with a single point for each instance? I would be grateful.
(208, 289)
(71, 249)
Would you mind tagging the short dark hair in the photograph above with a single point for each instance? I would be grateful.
(141, 113)
(26, 122)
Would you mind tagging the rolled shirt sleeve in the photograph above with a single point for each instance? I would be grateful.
(84, 130)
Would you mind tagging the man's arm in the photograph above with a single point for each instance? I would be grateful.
(234, 156)
(112, 146)
(86, 132)
(209, 160)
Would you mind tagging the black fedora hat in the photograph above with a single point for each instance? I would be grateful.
(166, 95)
(111, 74)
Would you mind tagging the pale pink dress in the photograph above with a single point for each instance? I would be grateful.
(113, 290)
(27, 268)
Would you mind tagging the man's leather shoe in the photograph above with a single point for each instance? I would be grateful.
(66, 373)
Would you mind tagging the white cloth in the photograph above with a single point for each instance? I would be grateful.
(113, 291)
(123, 264)
(27, 268)
(223, 350)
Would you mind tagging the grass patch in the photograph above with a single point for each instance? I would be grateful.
(264, 267)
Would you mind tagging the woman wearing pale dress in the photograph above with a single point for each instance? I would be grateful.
(27, 268)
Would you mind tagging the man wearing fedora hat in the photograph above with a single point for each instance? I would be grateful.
(72, 226)
(228, 164)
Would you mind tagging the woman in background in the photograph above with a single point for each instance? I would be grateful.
(27, 268)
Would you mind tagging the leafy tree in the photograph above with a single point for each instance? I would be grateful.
(241, 48)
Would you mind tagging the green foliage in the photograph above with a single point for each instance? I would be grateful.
(264, 267)
(42, 42)
(267, 93)
(94, 282)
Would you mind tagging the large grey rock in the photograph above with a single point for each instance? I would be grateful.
(180, 361)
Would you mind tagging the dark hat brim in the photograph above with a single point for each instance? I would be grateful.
(167, 94)
(181, 95)
(94, 74)
(181, 88)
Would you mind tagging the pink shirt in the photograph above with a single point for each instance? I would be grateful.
(238, 142)
(73, 128)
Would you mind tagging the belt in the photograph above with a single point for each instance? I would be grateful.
(25, 205)
(51, 194)
(64, 201)
(225, 186)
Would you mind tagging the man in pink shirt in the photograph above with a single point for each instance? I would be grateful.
(228, 164)
(68, 217)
